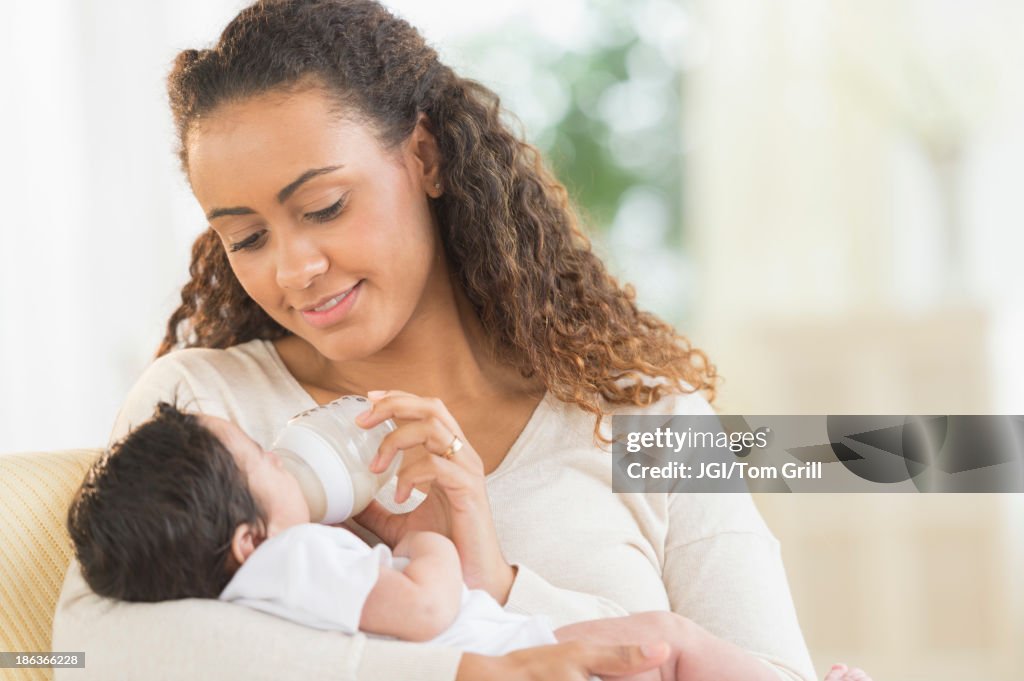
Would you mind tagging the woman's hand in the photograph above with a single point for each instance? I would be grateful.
(571, 661)
(456, 504)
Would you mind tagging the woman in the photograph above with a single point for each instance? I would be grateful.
(374, 225)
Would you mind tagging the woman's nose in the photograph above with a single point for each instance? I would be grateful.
(300, 260)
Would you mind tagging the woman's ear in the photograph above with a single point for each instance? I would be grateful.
(423, 146)
(244, 542)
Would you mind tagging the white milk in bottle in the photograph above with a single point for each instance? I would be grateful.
(330, 457)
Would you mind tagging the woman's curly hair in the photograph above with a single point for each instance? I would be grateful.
(510, 233)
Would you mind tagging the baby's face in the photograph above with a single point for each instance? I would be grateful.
(275, 489)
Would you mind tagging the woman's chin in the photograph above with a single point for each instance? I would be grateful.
(343, 346)
(344, 342)
(332, 347)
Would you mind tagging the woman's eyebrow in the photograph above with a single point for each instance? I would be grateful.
(282, 195)
(221, 212)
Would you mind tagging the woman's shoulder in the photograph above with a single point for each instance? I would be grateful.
(245, 383)
(187, 373)
(570, 423)
(254, 353)
(697, 516)
(679, 399)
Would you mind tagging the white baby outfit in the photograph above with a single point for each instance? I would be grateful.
(320, 576)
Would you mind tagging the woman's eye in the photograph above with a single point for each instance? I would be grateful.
(328, 213)
(249, 243)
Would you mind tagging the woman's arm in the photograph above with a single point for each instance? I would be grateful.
(569, 661)
(419, 603)
(531, 594)
(200, 639)
(458, 507)
(723, 569)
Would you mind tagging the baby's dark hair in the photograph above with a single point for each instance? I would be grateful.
(154, 517)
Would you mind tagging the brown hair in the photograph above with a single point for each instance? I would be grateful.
(154, 517)
(510, 233)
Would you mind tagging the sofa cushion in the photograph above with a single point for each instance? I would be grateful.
(35, 491)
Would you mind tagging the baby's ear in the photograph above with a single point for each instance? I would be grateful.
(245, 540)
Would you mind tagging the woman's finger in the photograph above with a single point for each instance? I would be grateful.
(404, 406)
(620, 660)
(429, 433)
(580, 660)
(433, 470)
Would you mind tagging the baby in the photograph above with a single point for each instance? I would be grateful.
(188, 506)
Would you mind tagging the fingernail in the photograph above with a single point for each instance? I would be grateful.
(376, 394)
(362, 416)
(375, 463)
(652, 649)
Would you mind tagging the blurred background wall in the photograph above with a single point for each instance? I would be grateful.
(823, 194)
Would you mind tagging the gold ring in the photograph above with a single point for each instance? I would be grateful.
(455, 446)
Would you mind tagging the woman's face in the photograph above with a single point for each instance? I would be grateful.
(329, 233)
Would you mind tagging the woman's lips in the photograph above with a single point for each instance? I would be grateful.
(335, 314)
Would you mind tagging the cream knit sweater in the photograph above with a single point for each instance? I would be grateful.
(582, 552)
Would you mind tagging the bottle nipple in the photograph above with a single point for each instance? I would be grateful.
(309, 483)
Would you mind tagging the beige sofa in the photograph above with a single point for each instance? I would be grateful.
(35, 490)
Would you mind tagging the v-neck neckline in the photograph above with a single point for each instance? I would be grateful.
(522, 441)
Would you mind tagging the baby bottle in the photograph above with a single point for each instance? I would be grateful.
(330, 457)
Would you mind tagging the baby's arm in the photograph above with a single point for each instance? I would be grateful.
(421, 602)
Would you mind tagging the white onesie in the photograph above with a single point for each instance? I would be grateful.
(320, 576)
